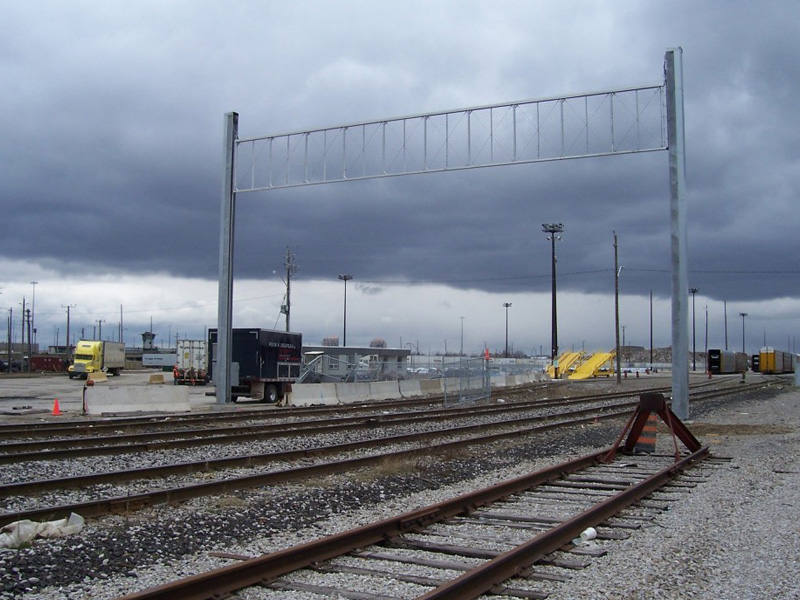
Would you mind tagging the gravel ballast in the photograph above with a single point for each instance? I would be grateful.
(735, 536)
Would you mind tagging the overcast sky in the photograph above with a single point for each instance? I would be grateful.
(111, 146)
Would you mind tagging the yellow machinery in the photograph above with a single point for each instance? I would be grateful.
(565, 362)
(599, 363)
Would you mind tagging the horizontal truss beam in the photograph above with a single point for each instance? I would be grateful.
(622, 121)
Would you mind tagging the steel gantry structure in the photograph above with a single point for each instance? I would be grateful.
(621, 121)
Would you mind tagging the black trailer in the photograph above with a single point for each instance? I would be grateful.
(264, 362)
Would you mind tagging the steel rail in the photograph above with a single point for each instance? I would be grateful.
(265, 569)
(126, 504)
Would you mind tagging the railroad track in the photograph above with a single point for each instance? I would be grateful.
(134, 501)
(95, 444)
(121, 426)
(62, 448)
(495, 540)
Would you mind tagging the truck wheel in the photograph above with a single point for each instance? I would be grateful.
(271, 394)
(71, 375)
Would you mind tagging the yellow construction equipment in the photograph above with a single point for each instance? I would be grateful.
(565, 361)
(599, 363)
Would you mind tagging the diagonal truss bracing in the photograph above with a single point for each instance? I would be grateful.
(596, 124)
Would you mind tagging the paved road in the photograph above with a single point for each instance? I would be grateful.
(36, 394)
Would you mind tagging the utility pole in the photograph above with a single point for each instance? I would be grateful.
(30, 344)
(22, 341)
(725, 305)
(743, 315)
(10, 326)
(100, 329)
(291, 269)
(68, 307)
(345, 278)
(461, 350)
(506, 305)
(33, 310)
(553, 229)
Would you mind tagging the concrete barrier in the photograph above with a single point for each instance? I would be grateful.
(410, 388)
(156, 378)
(499, 381)
(384, 390)
(307, 394)
(431, 387)
(349, 393)
(134, 398)
(98, 377)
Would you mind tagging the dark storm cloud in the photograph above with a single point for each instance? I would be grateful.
(112, 128)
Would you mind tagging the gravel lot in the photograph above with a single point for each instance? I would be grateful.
(733, 537)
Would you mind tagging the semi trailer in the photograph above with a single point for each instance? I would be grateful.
(264, 362)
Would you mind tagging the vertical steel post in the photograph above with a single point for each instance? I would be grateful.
(222, 373)
(617, 269)
(679, 244)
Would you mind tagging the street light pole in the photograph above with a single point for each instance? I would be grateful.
(345, 278)
(743, 315)
(693, 291)
(553, 229)
(506, 305)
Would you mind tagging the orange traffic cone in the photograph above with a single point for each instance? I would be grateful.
(56, 410)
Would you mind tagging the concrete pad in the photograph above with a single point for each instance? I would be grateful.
(130, 399)
(307, 394)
